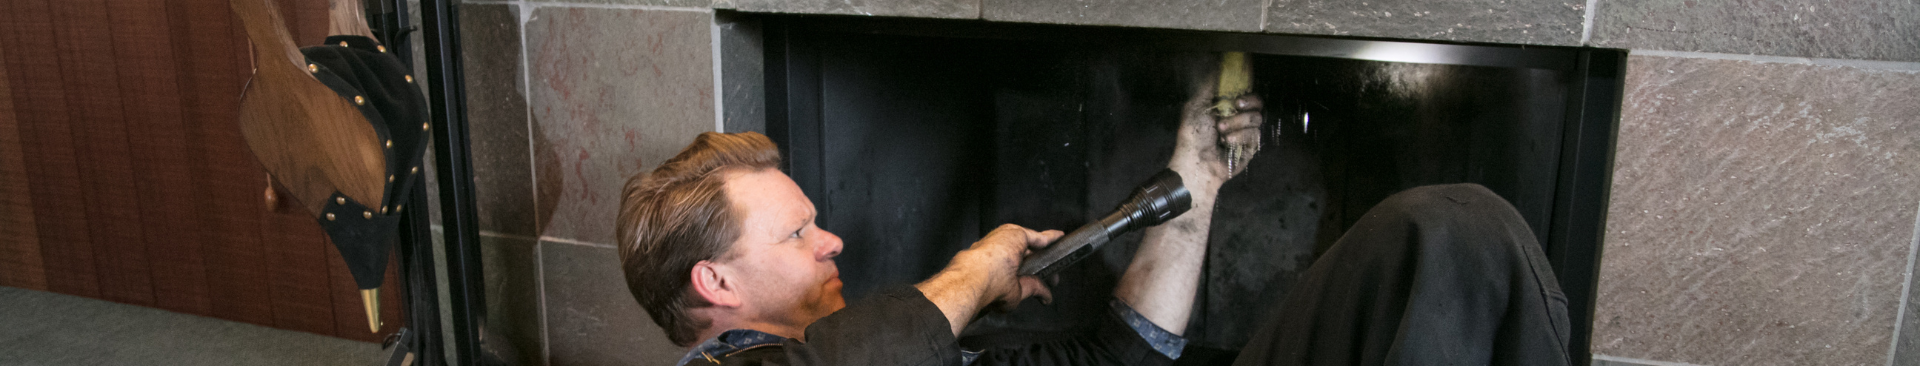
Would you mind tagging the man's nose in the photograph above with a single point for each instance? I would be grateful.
(829, 247)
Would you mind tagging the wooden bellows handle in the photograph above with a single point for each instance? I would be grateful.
(348, 17)
(307, 137)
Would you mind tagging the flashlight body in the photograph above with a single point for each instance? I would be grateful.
(1162, 198)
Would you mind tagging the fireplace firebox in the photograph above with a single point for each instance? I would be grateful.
(914, 137)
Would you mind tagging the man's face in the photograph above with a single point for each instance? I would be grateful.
(784, 263)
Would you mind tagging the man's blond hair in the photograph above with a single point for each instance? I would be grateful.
(679, 215)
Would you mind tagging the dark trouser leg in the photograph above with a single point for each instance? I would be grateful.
(1433, 275)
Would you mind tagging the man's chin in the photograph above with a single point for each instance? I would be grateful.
(827, 300)
(835, 300)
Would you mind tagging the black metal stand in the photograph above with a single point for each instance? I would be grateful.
(447, 96)
(417, 343)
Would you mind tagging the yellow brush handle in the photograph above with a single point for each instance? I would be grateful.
(1236, 80)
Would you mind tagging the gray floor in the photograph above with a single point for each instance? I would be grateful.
(42, 328)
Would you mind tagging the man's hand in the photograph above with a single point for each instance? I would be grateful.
(1006, 246)
(986, 274)
(1202, 149)
(1241, 132)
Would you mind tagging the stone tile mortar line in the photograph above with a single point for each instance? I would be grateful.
(501, 235)
(1639, 362)
(540, 281)
(533, 186)
(536, 5)
(533, 161)
(1264, 9)
(533, 178)
(1906, 289)
(1586, 24)
(719, 90)
(1910, 67)
(578, 242)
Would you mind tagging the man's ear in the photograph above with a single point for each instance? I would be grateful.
(714, 283)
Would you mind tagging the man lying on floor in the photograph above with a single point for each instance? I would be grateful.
(720, 248)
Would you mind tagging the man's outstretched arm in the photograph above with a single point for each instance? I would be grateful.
(1164, 277)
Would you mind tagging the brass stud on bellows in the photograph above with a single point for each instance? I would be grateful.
(423, 126)
(343, 43)
(397, 208)
(383, 49)
(409, 78)
(311, 68)
(389, 179)
(414, 170)
(357, 100)
(389, 144)
(367, 214)
(340, 200)
(329, 216)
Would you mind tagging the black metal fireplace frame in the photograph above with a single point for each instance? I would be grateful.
(446, 93)
(1575, 233)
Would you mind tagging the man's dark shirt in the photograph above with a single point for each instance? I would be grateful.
(901, 327)
(1446, 274)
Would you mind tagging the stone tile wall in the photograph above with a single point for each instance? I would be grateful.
(566, 100)
(1762, 212)
(1882, 30)
(1763, 209)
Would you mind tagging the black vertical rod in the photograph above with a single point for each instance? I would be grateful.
(389, 21)
(440, 20)
(415, 247)
(422, 292)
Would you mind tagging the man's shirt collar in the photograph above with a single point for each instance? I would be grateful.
(738, 340)
(729, 342)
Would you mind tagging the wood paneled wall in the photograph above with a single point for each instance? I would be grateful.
(123, 175)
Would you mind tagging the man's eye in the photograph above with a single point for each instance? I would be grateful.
(795, 235)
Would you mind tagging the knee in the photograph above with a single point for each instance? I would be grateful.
(1443, 200)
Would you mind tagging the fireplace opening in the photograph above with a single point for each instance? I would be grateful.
(914, 137)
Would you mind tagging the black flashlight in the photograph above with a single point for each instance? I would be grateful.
(1161, 198)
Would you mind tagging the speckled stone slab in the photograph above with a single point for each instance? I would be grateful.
(614, 93)
(591, 318)
(963, 9)
(1232, 15)
(497, 118)
(1761, 213)
(1885, 30)
(1556, 22)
